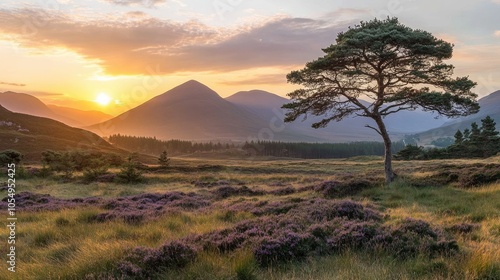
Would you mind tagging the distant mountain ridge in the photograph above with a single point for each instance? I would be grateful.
(192, 111)
(83, 117)
(350, 129)
(28, 104)
(32, 135)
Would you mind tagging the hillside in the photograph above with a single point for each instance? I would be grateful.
(83, 117)
(490, 106)
(28, 104)
(31, 135)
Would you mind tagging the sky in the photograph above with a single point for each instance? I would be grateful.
(124, 52)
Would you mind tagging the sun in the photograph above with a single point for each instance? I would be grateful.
(103, 99)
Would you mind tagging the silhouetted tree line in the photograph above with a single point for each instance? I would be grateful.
(475, 142)
(318, 150)
(151, 145)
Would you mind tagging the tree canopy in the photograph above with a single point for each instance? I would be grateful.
(391, 66)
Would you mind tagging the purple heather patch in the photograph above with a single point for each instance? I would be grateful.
(132, 209)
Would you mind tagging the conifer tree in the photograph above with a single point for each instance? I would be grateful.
(393, 66)
(164, 160)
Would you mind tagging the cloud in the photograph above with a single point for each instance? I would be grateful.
(136, 14)
(145, 3)
(346, 14)
(12, 84)
(266, 79)
(124, 47)
(497, 33)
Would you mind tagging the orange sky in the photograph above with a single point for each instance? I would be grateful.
(68, 53)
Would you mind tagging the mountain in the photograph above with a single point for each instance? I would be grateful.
(85, 118)
(268, 106)
(28, 104)
(257, 101)
(192, 111)
(490, 106)
(25, 103)
(350, 129)
(31, 135)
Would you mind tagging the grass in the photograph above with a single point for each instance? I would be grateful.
(67, 244)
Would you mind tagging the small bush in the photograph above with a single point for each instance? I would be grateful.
(44, 238)
(94, 173)
(284, 191)
(463, 228)
(353, 235)
(228, 191)
(130, 172)
(481, 177)
(143, 262)
(413, 237)
(290, 246)
(335, 189)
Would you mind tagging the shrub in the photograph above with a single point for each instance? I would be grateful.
(353, 235)
(97, 169)
(290, 246)
(228, 191)
(10, 156)
(129, 172)
(463, 228)
(144, 262)
(480, 177)
(59, 162)
(283, 191)
(324, 210)
(335, 189)
(413, 237)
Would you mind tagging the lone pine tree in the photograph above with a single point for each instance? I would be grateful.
(164, 160)
(395, 67)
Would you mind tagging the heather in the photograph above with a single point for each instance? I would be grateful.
(264, 219)
(132, 209)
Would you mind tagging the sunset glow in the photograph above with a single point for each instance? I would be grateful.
(103, 99)
(126, 47)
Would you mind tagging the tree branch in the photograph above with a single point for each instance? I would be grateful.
(378, 131)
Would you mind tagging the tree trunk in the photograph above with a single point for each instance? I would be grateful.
(389, 173)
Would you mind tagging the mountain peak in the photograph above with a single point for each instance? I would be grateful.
(192, 85)
(192, 81)
(257, 98)
(191, 89)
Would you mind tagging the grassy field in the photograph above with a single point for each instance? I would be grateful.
(71, 243)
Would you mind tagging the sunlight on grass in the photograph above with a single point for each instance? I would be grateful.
(70, 244)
